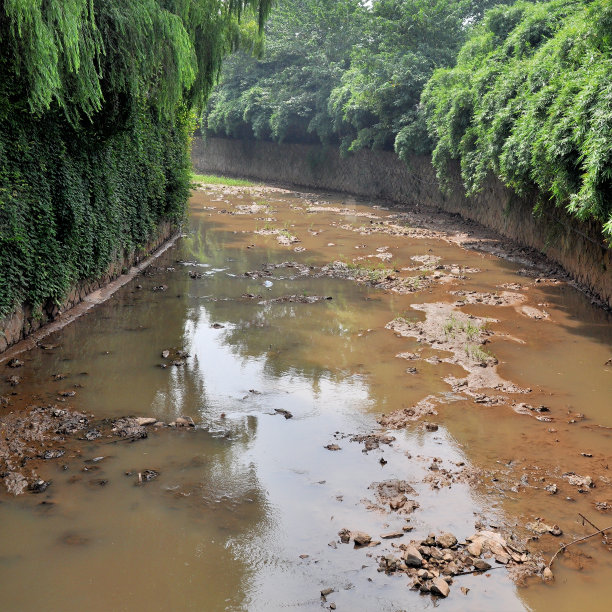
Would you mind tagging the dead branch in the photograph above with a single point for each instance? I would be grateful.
(564, 546)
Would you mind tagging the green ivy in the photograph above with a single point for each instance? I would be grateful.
(530, 100)
(97, 106)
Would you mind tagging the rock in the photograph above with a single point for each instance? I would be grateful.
(165, 354)
(15, 483)
(184, 421)
(580, 481)
(217, 326)
(430, 540)
(52, 453)
(147, 476)
(332, 447)
(440, 587)
(475, 549)
(412, 557)
(326, 592)
(178, 363)
(92, 434)
(126, 427)
(332, 606)
(39, 486)
(146, 420)
(14, 363)
(13, 380)
(98, 482)
(398, 502)
(541, 528)
(556, 530)
(547, 574)
(392, 534)
(551, 488)
(481, 565)
(284, 412)
(361, 539)
(431, 427)
(446, 540)
(465, 590)
(345, 535)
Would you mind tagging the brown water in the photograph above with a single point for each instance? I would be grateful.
(244, 495)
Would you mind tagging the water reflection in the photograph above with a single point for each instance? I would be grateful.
(245, 508)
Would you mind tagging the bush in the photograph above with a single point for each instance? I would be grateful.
(530, 100)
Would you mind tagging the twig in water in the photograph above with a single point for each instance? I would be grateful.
(562, 549)
(584, 518)
(477, 571)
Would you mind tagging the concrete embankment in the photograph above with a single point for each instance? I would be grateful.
(33, 324)
(577, 246)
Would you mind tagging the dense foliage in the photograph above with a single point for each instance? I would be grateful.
(530, 100)
(404, 41)
(284, 95)
(96, 111)
(342, 72)
(518, 89)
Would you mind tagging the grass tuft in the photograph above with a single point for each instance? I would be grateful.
(211, 179)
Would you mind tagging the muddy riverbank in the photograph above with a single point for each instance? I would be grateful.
(384, 418)
(380, 175)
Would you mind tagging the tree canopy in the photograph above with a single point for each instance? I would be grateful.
(530, 100)
(79, 54)
(518, 89)
(343, 72)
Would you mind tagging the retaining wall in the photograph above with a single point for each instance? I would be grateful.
(577, 246)
(25, 320)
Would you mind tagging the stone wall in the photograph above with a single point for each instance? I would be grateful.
(576, 246)
(25, 320)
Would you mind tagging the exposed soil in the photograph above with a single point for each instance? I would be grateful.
(449, 335)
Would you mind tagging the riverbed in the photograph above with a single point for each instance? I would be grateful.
(293, 322)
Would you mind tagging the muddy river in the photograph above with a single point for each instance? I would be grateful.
(285, 325)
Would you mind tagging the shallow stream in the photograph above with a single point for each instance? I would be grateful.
(246, 511)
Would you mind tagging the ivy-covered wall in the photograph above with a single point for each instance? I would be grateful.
(73, 201)
(97, 107)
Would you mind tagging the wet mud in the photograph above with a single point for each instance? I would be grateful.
(445, 431)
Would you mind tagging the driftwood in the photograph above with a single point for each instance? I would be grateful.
(584, 518)
(562, 549)
(477, 571)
